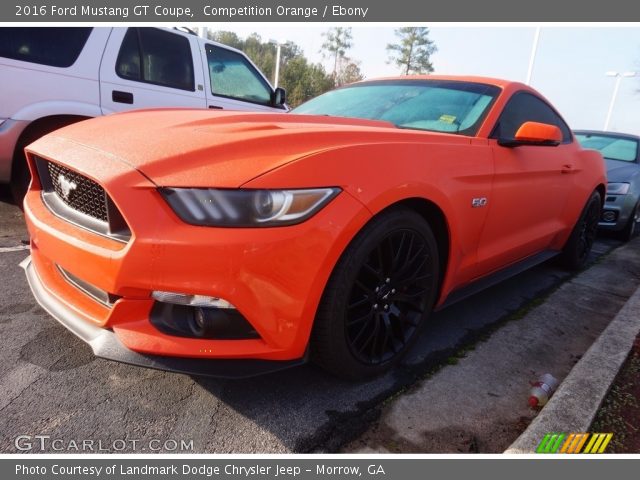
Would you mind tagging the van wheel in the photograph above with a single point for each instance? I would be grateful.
(20, 176)
(379, 295)
(577, 249)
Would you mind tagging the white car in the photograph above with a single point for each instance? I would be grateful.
(52, 77)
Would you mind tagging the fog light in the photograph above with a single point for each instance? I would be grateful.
(201, 322)
(208, 322)
(191, 300)
(609, 216)
(197, 323)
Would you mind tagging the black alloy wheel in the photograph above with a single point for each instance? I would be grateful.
(388, 299)
(381, 292)
(577, 249)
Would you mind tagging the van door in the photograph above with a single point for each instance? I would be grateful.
(150, 67)
(233, 82)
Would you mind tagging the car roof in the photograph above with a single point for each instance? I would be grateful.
(498, 82)
(608, 134)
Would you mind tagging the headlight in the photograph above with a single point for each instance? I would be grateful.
(617, 188)
(246, 208)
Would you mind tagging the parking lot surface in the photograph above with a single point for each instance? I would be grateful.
(50, 383)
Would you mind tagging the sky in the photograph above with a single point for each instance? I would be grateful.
(569, 68)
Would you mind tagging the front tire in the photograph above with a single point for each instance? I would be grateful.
(577, 249)
(381, 292)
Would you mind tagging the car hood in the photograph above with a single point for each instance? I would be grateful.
(618, 171)
(201, 148)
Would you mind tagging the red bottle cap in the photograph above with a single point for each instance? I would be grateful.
(533, 401)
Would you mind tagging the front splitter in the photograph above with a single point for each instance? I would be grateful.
(106, 344)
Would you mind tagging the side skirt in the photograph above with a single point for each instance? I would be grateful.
(497, 277)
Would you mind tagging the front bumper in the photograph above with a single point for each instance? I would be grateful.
(275, 277)
(621, 206)
(105, 343)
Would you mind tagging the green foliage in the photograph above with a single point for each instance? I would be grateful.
(302, 80)
(348, 72)
(413, 51)
(337, 42)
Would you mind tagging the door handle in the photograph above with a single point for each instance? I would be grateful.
(122, 97)
(568, 168)
(216, 107)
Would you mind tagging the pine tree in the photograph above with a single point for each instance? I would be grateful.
(413, 51)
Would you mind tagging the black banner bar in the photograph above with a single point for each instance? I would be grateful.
(205, 11)
(318, 468)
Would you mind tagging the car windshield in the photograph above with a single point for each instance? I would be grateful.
(433, 105)
(614, 148)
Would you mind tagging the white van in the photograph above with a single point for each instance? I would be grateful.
(51, 77)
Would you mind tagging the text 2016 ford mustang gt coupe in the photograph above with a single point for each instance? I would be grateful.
(232, 243)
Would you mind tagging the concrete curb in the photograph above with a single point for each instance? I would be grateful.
(574, 405)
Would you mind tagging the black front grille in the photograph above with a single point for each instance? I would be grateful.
(78, 192)
(80, 200)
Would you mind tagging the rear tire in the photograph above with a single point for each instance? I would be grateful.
(380, 294)
(632, 228)
(578, 247)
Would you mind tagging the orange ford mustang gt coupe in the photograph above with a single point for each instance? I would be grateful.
(233, 243)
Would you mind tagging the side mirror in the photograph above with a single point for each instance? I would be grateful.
(279, 97)
(534, 133)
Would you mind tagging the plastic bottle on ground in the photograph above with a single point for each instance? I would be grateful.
(542, 390)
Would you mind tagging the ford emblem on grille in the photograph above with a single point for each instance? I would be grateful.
(66, 186)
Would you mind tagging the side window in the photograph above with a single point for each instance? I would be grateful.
(524, 107)
(154, 56)
(233, 76)
(53, 46)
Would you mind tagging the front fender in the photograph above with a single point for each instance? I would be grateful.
(380, 175)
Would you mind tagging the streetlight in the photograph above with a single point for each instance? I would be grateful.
(619, 76)
(278, 45)
(532, 58)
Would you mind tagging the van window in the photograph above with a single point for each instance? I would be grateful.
(155, 56)
(233, 76)
(52, 46)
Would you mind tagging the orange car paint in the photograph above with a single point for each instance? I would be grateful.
(276, 276)
(534, 131)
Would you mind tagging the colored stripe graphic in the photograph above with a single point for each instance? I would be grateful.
(598, 443)
(550, 443)
(593, 439)
(558, 442)
(566, 447)
(605, 442)
(599, 440)
(543, 443)
(583, 439)
(573, 442)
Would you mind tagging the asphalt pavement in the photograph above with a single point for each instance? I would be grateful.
(52, 386)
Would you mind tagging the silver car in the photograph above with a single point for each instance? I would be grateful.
(621, 212)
